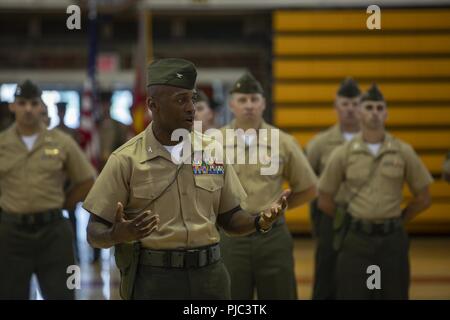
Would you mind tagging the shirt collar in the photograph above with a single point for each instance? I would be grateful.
(357, 144)
(12, 136)
(153, 148)
(264, 141)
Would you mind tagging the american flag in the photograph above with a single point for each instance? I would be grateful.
(89, 139)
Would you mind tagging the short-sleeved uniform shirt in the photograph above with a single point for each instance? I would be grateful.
(319, 149)
(382, 196)
(262, 190)
(142, 176)
(33, 181)
(321, 146)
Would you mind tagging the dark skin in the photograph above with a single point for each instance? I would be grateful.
(172, 108)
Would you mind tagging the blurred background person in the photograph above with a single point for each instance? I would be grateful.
(374, 166)
(318, 151)
(44, 115)
(204, 111)
(61, 109)
(34, 236)
(112, 134)
(263, 264)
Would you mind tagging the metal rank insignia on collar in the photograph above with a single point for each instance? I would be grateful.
(207, 167)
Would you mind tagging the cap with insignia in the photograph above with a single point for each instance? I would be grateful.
(172, 72)
(247, 84)
(373, 94)
(349, 88)
(27, 90)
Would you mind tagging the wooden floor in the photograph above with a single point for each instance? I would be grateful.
(430, 270)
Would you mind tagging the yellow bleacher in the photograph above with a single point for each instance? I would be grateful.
(409, 58)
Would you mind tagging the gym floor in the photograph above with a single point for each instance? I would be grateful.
(430, 270)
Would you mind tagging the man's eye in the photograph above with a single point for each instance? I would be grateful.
(380, 108)
(369, 107)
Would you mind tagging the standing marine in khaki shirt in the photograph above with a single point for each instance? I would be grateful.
(374, 167)
(259, 262)
(169, 211)
(318, 151)
(34, 235)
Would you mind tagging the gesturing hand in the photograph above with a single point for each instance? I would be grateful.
(277, 208)
(131, 230)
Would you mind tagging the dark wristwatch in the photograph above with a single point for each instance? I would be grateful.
(258, 227)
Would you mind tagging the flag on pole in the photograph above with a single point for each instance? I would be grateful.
(89, 139)
(140, 113)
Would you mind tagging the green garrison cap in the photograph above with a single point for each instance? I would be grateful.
(349, 88)
(247, 84)
(373, 94)
(28, 90)
(172, 72)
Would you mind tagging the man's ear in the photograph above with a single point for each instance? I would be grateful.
(151, 104)
(11, 107)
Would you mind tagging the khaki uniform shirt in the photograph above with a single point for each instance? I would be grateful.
(319, 150)
(380, 198)
(69, 131)
(263, 190)
(142, 176)
(33, 181)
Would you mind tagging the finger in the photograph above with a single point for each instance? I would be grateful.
(146, 221)
(139, 218)
(274, 211)
(284, 203)
(119, 212)
(285, 194)
(146, 234)
(151, 224)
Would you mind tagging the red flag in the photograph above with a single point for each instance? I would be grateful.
(88, 135)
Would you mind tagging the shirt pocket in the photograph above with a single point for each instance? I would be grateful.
(357, 171)
(208, 189)
(149, 189)
(392, 172)
(209, 182)
(145, 193)
(392, 176)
